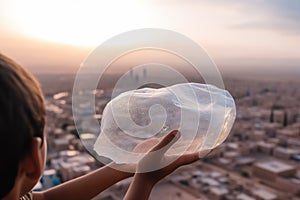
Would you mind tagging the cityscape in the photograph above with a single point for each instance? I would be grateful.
(71, 46)
(259, 160)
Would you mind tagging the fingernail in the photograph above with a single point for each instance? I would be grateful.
(176, 133)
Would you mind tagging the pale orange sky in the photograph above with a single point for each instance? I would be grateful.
(55, 36)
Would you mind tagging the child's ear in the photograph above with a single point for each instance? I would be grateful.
(33, 163)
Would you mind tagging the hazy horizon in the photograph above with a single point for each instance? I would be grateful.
(242, 37)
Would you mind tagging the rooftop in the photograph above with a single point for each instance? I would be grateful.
(263, 194)
(275, 166)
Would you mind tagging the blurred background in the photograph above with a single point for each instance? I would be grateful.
(255, 45)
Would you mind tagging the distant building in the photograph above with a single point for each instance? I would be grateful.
(266, 148)
(62, 142)
(131, 73)
(231, 155)
(288, 132)
(277, 175)
(72, 165)
(137, 78)
(261, 194)
(278, 116)
(270, 170)
(145, 73)
(243, 196)
(285, 153)
(258, 135)
(50, 179)
(271, 128)
(218, 193)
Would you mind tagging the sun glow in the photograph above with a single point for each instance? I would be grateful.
(76, 22)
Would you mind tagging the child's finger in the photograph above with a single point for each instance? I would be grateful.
(192, 157)
(167, 142)
(188, 159)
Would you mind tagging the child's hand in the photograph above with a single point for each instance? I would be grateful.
(155, 165)
(142, 147)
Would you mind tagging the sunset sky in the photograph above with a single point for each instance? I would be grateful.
(55, 36)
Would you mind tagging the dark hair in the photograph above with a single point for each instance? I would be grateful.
(22, 117)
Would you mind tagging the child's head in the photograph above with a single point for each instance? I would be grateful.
(22, 121)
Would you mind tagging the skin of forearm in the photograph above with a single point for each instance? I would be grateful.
(139, 189)
(87, 186)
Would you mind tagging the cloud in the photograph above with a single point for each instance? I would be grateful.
(275, 25)
(281, 15)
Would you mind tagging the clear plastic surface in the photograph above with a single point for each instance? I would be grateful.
(135, 121)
